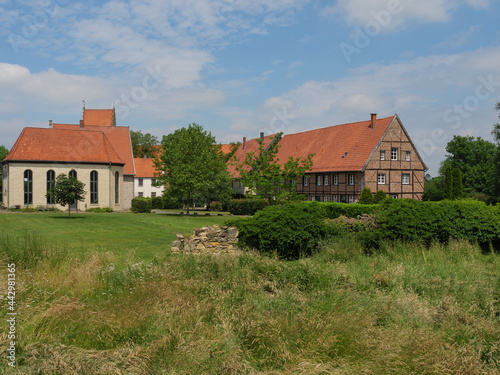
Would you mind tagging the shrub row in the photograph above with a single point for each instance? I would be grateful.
(142, 204)
(246, 206)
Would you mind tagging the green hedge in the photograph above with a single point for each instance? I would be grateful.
(334, 210)
(141, 204)
(293, 230)
(425, 222)
(246, 206)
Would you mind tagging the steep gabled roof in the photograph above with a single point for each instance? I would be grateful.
(145, 167)
(119, 136)
(344, 147)
(99, 117)
(60, 145)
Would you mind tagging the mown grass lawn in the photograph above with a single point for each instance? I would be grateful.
(118, 233)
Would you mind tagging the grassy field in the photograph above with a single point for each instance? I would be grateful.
(119, 233)
(403, 310)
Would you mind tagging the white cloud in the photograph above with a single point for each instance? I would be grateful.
(392, 14)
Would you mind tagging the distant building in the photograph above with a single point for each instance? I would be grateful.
(96, 151)
(377, 153)
(145, 178)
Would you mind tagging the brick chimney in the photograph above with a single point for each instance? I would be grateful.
(50, 124)
(244, 142)
(81, 125)
(262, 136)
(373, 120)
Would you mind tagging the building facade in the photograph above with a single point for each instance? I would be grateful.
(377, 153)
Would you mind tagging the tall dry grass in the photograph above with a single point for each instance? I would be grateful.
(405, 310)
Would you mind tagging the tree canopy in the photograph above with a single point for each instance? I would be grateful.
(193, 166)
(143, 145)
(3, 153)
(266, 177)
(475, 157)
(66, 190)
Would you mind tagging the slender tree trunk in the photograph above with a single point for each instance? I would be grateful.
(187, 202)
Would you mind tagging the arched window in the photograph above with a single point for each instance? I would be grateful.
(51, 179)
(28, 187)
(73, 173)
(94, 197)
(117, 187)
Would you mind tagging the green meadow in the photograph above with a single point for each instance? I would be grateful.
(102, 294)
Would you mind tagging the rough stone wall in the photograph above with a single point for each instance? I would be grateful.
(206, 240)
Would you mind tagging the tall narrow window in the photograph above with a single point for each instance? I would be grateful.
(306, 180)
(94, 188)
(117, 187)
(72, 173)
(325, 180)
(335, 179)
(381, 178)
(405, 179)
(141, 182)
(51, 179)
(318, 180)
(382, 155)
(28, 187)
(408, 155)
(351, 179)
(394, 153)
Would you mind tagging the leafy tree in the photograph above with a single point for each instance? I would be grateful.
(66, 190)
(448, 183)
(496, 135)
(475, 157)
(366, 196)
(234, 148)
(434, 189)
(193, 166)
(268, 178)
(379, 196)
(143, 145)
(457, 184)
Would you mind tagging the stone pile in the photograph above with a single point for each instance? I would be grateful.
(207, 240)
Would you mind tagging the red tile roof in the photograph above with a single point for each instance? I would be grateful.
(119, 136)
(99, 117)
(145, 167)
(226, 148)
(356, 141)
(60, 145)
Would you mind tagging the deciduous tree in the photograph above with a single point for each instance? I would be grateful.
(66, 190)
(192, 166)
(143, 145)
(268, 178)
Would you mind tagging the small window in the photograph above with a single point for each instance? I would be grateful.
(335, 198)
(381, 178)
(312, 198)
(325, 180)
(306, 180)
(51, 179)
(351, 179)
(351, 198)
(394, 153)
(408, 155)
(153, 195)
(382, 155)
(28, 187)
(141, 194)
(318, 198)
(394, 196)
(141, 182)
(318, 180)
(342, 199)
(94, 188)
(325, 198)
(153, 181)
(406, 179)
(335, 179)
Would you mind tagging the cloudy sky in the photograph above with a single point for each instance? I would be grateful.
(239, 67)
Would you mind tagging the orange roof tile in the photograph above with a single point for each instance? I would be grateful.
(119, 136)
(226, 149)
(99, 117)
(38, 144)
(356, 141)
(145, 167)
(344, 147)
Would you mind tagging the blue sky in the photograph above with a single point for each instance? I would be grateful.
(239, 67)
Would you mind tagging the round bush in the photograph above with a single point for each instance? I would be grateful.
(292, 231)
